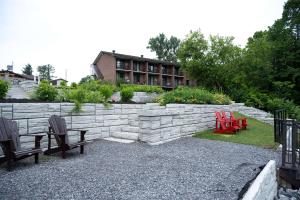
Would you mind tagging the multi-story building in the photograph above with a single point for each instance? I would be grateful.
(112, 66)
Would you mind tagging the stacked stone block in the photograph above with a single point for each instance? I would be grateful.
(149, 122)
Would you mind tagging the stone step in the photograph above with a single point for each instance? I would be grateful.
(125, 135)
(16, 92)
(131, 129)
(119, 140)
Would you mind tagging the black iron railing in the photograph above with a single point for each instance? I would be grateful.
(287, 133)
(279, 117)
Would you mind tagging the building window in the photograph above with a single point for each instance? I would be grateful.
(176, 71)
(137, 78)
(137, 67)
(165, 70)
(151, 68)
(166, 82)
(120, 76)
(176, 82)
(120, 64)
(150, 80)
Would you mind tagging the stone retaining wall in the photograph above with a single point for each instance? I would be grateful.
(149, 122)
(176, 120)
(265, 184)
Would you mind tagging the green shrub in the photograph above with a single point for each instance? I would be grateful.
(94, 97)
(63, 84)
(73, 85)
(221, 99)
(268, 102)
(77, 96)
(126, 94)
(193, 96)
(291, 108)
(106, 91)
(3, 89)
(143, 88)
(45, 92)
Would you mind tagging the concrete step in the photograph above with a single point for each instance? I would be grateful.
(119, 140)
(125, 135)
(131, 129)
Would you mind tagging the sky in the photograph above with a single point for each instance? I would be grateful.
(69, 34)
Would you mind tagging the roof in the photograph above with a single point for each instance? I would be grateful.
(135, 58)
(28, 77)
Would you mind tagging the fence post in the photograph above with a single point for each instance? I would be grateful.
(294, 142)
(284, 146)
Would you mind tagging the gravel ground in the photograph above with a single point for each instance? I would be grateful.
(188, 168)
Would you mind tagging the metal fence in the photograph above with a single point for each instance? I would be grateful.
(287, 133)
(279, 117)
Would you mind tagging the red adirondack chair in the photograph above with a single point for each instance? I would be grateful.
(223, 126)
(242, 121)
(236, 123)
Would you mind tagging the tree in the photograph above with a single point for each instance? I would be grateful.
(284, 36)
(257, 61)
(27, 70)
(46, 72)
(211, 62)
(86, 79)
(165, 49)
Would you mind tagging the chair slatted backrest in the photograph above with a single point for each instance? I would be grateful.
(220, 120)
(223, 113)
(232, 116)
(58, 126)
(9, 131)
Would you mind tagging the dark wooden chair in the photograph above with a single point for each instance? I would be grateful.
(11, 146)
(58, 128)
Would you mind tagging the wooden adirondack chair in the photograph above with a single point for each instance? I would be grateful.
(236, 123)
(241, 121)
(11, 146)
(58, 129)
(223, 126)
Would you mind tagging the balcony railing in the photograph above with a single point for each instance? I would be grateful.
(166, 71)
(141, 82)
(123, 66)
(178, 83)
(139, 68)
(167, 84)
(153, 69)
(178, 73)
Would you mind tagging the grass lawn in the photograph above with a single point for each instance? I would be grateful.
(257, 133)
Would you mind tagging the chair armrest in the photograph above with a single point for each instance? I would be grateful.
(33, 134)
(5, 141)
(50, 133)
(71, 129)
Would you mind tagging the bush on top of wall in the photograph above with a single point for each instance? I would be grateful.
(45, 92)
(189, 95)
(142, 88)
(3, 89)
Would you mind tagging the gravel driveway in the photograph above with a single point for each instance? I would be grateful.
(188, 168)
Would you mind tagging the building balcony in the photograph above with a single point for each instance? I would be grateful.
(153, 70)
(167, 85)
(166, 72)
(139, 69)
(178, 73)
